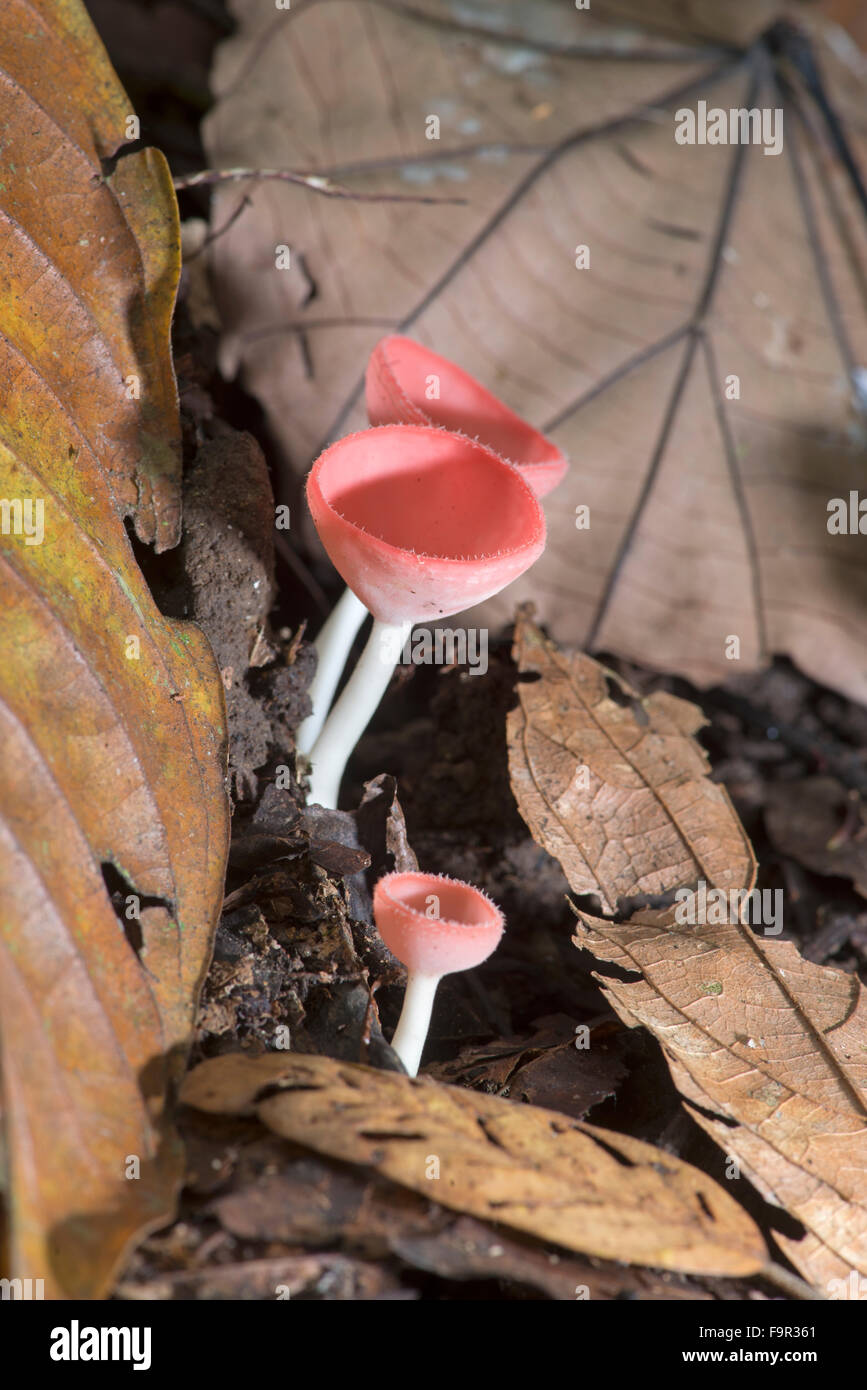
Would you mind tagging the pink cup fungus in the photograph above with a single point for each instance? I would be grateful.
(401, 377)
(421, 523)
(435, 926)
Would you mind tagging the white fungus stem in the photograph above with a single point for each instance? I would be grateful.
(333, 646)
(412, 1030)
(354, 710)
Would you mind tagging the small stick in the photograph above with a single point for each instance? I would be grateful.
(315, 182)
(790, 1283)
(246, 202)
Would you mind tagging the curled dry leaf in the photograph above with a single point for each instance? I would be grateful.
(111, 718)
(771, 1048)
(544, 1068)
(584, 1188)
(700, 364)
(613, 786)
(770, 1052)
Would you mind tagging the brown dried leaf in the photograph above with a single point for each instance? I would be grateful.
(112, 753)
(545, 1069)
(616, 789)
(708, 514)
(584, 1188)
(64, 112)
(773, 1049)
(752, 1033)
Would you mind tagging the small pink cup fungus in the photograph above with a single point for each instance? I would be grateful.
(402, 376)
(435, 925)
(421, 523)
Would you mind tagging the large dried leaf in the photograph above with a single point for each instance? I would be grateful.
(584, 1188)
(708, 516)
(111, 756)
(616, 789)
(772, 1053)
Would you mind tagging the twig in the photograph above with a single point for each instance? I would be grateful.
(199, 1273)
(315, 182)
(790, 1283)
(209, 240)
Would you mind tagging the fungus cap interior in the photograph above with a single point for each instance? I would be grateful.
(463, 403)
(458, 903)
(428, 492)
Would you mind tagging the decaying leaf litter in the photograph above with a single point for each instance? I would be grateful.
(294, 944)
(770, 1049)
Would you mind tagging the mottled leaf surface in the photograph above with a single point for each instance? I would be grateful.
(769, 1050)
(111, 717)
(616, 787)
(584, 1188)
(770, 1053)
